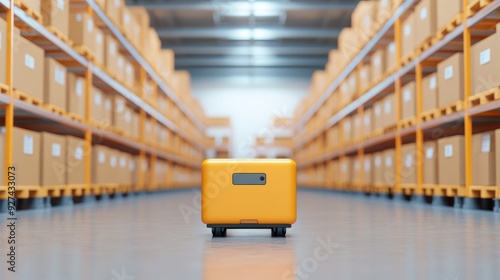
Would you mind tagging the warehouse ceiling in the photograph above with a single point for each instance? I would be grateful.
(223, 37)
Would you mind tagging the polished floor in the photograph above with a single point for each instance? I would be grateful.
(336, 237)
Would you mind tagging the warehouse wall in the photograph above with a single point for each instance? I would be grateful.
(250, 104)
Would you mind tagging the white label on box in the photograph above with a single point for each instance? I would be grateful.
(352, 81)
(423, 13)
(97, 99)
(344, 87)
(60, 76)
(367, 120)
(432, 82)
(377, 61)
(60, 4)
(407, 96)
(78, 153)
(367, 165)
(123, 162)
(102, 158)
(120, 62)
(429, 153)
(29, 61)
(79, 17)
(128, 69)
(28, 144)
(387, 107)
(128, 117)
(407, 30)
(408, 160)
(107, 104)
(79, 87)
(384, 3)
(90, 25)
(112, 161)
(378, 161)
(367, 21)
(448, 151)
(378, 111)
(485, 57)
(347, 126)
(117, 3)
(364, 74)
(392, 47)
(99, 38)
(131, 165)
(486, 143)
(112, 48)
(126, 18)
(448, 72)
(56, 150)
(388, 161)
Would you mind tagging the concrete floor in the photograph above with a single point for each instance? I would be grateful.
(336, 237)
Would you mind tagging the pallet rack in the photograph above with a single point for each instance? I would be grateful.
(278, 141)
(189, 129)
(220, 134)
(467, 115)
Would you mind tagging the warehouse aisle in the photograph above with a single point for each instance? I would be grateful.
(336, 236)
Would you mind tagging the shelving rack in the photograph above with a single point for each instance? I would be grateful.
(38, 117)
(220, 134)
(466, 117)
(278, 141)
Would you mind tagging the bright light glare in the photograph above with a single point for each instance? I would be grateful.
(247, 9)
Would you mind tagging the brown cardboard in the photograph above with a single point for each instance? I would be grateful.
(408, 100)
(430, 163)
(408, 164)
(33, 4)
(425, 21)
(485, 59)
(356, 171)
(389, 110)
(497, 156)
(385, 10)
(55, 84)
(389, 163)
(123, 165)
(364, 15)
(142, 17)
(378, 168)
(368, 122)
(153, 46)
(113, 166)
(3, 51)
(347, 128)
(166, 62)
(429, 92)
(131, 26)
(378, 115)
(53, 159)
(446, 10)
(81, 30)
(378, 60)
(111, 54)
(120, 68)
(483, 159)
(100, 163)
(390, 55)
(134, 131)
(75, 165)
(129, 75)
(76, 95)
(97, 105)
(107, 108)
(450, 80)
(56, 14)
(408, 30)
(28, 66)
(113, 10)
(451, 160)
(25, 156)
(368, 170)
(348, 42)
(345, 174)
(99, 47)
(365, 77)
(357, 126)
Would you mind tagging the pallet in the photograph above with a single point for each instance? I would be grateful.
(29, 11)
(485, 97)
(408, 122)
(4, 88)
(476, 6)
(59, 35)
(487, 192)
(25, 192)
(444, 190)
(407, 59)
(430, 115)
(431, 41)
(85, 51)
(454, 107)
(454, 23)
(55, 109)
(27, 98)
(75, 117)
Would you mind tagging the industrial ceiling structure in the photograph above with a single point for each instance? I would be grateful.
(223, 37)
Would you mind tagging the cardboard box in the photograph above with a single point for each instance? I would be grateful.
(75, 164)
(385, 11)
(485, 59)
(166, 62)
(353, 84)
(409, 164)
(56, 14)
(389, 113)
(390, 55)
(408, 100)
(124, 162)
(33, 4)
(389, 162)
(365, 77)
(429, 92)
(378, 66)
(28, 66)
(446, 10)
(331, 173)
(153, 46)
(378, 168)
(107, 111)
(113, 9)
(113, 166)
(135, 124)
(75, 102)
(111, 54)
(379, 119)
(141, 15)
(348, 42)
(356, 171)
(450, 80)
(120, 73)
(425, 21)
(483, 159)
(130, 75)
(25, 156)
(357, 127)
(348, 131)
(497, 156)
(451, 161)
(53, 159)
(368, 170)
(99, 47)
(364, 19)
(55, 84)
(131, 26)
(3, 51)
(345, 174)
(100, 164)
(97, 105)
(430, 163)
(409, 33)
(82, 30)
(368, 122)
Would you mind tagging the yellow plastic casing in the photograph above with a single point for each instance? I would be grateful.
(225, 203)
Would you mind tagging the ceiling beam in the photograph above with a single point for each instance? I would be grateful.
(304, 50)
(258, 61)
(236, 33)
(257, 5)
